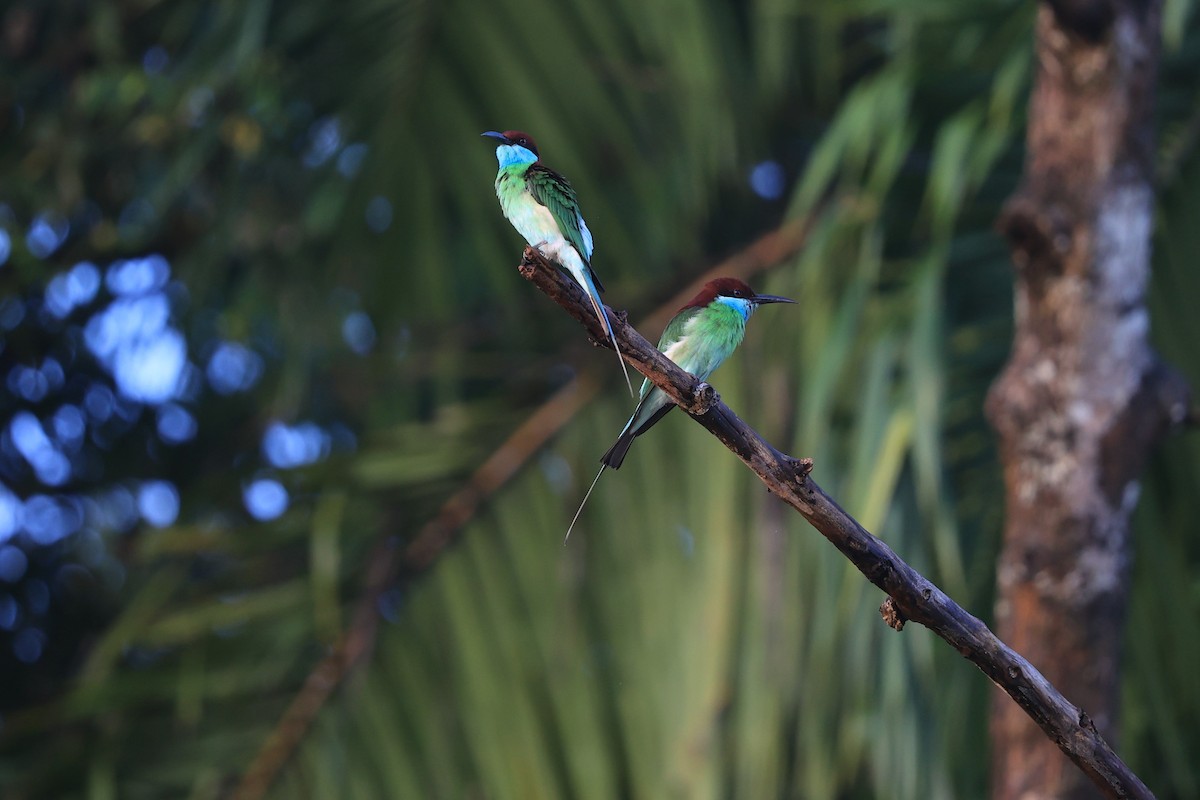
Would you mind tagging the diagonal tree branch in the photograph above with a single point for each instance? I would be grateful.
(910, 595)
(419, 554)
(767, 251)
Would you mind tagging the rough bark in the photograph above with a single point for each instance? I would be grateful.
(1083, 397)
(911, 596)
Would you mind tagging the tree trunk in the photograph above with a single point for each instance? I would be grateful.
(1083, 398)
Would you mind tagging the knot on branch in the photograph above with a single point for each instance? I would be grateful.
(704, 397)
(892, 615)
(529, 263)
(802, 467)
(1040, 237)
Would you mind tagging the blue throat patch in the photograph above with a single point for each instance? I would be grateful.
(509, 154)
(738, 304)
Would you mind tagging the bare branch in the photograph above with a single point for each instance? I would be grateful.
(437, 534)
(910, 595)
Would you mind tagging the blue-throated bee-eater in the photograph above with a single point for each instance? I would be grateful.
(543, 208)
(698, 338)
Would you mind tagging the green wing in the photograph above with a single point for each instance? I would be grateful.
(674, 330)
(555, 193)
(654, 404)
(671, 334)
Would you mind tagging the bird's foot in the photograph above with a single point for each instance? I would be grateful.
(703, 399)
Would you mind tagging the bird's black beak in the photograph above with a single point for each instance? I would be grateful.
(496, 135)
(762, 299)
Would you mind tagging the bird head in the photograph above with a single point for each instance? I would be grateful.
(735, 294)
(515, 147)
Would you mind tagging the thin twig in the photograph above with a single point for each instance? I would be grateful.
(911, 595)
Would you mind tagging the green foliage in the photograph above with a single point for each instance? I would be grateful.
(694, 639)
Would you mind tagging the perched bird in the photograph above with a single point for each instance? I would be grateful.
(698, 338)
(543, 208)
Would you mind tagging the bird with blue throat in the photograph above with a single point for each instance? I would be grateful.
(698, 338)
(542, 206)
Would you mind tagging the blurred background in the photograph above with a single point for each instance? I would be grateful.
(261, 320)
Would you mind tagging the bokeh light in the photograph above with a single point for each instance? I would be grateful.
(52, 467)
(358, 332)
(294, 446)
(324, 140)
(265, 499)
(150, 369)
(46, 234)
(233, 368)
(13, 562)
(175, 424)
(10, 612)
(155, 60)
(158, 502)
(69, 290)
(351, 159)
(12, 512)
(50, 519)
(768, 180)
(137, 276)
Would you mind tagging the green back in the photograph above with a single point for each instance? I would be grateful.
(555, 193)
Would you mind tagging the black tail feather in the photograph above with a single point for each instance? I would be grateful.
(616, 454)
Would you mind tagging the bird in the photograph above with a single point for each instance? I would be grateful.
(701, 335)
(542, 206)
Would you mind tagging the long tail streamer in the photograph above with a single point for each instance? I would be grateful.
(584, 503)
